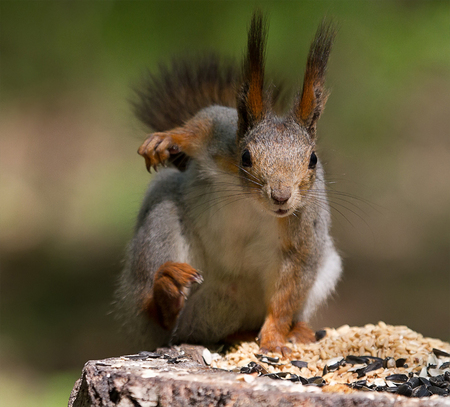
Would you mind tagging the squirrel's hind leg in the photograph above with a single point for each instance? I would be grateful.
(171, 285)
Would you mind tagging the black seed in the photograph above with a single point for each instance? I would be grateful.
(283, 374)
(356, 360)
(299, 363)
(373, 366)
(253, 367)
(400, 362)
(320, 334)
(303, 380)
(274, 376)
(375, 358)
(447, 376)
(404, 390)
(424, 381)
(386, 362)
(246, 370)
(414, 382)
(439, 352)
(438, 381)
(445, 365)
(267, 359)
(317, 380)
(279, 375)
(437, 390)
(397, 378)
(420, 392)
(335, 366)
(295, 378)
(358, 384)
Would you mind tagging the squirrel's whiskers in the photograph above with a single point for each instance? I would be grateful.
(246, 204)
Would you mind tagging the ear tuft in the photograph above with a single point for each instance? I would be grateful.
(251, 103)
(311, 102)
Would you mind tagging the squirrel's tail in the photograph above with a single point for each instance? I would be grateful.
(180, 89)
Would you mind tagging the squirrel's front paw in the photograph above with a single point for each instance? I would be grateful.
(171, 285)
(157, 148)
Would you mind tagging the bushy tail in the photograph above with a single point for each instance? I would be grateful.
(179, 90)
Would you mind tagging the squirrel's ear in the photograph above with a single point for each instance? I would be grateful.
(251, 102)
(311, 102)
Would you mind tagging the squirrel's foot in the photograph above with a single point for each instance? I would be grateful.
(276, 347)
(301, 333)
(171, 286)
(157, 148)
(272, 340)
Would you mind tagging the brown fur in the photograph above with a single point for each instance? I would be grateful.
(182, 88)
(167, 297)
(276, 151)
(280, 325)
(227, 165)
(189, 139)
(312, 101)
(301, 333)
(251, 101)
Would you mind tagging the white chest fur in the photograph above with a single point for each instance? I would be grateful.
(235, 246)
(238, 239)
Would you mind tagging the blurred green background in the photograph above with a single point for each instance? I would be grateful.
(71, 182)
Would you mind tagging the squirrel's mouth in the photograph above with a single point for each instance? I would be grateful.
(281, 212)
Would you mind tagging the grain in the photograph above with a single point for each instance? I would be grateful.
(388, 342)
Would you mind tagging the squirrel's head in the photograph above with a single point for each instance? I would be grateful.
(277, 154)
(278, 164)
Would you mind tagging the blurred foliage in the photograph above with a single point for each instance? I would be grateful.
(71, 182)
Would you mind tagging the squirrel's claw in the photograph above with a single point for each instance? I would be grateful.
(148, 164)
(156, 149)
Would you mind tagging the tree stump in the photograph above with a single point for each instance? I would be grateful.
(178, 376)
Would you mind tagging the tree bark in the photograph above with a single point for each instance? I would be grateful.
(173, 377)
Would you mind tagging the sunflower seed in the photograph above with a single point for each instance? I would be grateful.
(439, 352)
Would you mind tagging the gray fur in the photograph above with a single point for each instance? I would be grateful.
(224, 226)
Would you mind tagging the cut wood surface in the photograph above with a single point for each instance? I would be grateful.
(178, 376)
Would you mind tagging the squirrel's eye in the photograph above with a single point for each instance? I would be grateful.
(312, 161)
(246, 159)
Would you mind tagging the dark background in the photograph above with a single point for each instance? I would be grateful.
(71, 181)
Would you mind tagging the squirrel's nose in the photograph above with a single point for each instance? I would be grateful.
(280, 196)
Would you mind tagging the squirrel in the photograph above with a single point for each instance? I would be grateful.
(233, 239)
